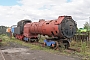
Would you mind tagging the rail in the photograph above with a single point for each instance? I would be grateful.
(2, 55)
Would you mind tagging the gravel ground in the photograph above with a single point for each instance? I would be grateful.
(17, 52)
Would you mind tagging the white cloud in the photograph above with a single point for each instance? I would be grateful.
(42, 9)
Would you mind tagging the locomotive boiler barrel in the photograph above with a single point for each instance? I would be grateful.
(64, 26)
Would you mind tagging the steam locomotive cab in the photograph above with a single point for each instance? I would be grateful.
(18, 31)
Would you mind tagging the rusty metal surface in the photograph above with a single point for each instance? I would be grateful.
(43, 27)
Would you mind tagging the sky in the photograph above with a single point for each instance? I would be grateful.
(12, 11)
(9, 2)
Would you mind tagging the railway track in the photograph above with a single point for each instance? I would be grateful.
(55, 48)
(2, 56)
(1, 53)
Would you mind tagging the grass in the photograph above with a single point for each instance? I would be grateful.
(7, 39)
(84, 49)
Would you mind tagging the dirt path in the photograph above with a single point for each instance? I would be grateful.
(19, 52)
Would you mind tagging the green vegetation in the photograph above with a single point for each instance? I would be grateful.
(87, 26)
(82, 48)
(7, 39)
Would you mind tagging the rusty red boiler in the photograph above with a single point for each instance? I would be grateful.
(63, 27)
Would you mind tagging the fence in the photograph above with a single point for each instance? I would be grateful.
(84, 36)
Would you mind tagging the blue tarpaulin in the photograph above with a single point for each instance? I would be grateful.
(49, 42)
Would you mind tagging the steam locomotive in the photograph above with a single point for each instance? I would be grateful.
(61, 30)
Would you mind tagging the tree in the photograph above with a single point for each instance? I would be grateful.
(86, 25)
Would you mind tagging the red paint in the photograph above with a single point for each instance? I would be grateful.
(20, 37)
(43, 27)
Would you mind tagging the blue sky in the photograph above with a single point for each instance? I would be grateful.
(9, 2)
(68, 0)
(13, 2)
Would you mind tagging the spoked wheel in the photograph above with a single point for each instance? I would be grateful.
(56, 45)
(67, 45)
